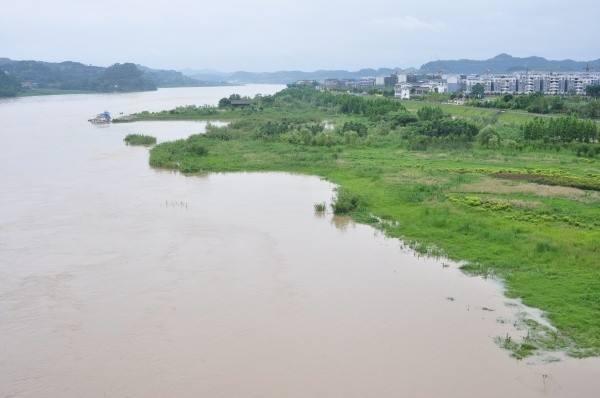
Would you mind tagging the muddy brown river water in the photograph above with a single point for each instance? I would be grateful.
(117, 280)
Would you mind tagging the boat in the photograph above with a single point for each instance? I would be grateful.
(101, 118)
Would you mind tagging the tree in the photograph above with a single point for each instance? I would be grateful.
(563, 129)
(591, 109)
(430, 113)
(447, 128)
(401, 118)
(360, 128)
(9, 86)
(224, 102)
(593, 91)
(478, 91)
(488, 137)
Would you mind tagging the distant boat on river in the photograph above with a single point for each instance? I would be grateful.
(101, 118)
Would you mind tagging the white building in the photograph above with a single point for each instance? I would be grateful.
(406, 90)
(402, 78)
(402, 91)
(452, 82)
(533, 82)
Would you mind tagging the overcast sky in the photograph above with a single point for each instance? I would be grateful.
(267, 35)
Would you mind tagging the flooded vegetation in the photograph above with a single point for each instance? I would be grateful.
(410, 168)
(119, 279)
(139, 139)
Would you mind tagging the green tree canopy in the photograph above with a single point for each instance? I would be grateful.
(593, 91)
(478, 91)
(9, 86)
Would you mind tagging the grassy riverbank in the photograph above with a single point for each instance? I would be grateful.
(526, 212)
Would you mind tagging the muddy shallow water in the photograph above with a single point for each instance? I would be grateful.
(117, 280)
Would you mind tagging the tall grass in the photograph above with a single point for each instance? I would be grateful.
(139, 139)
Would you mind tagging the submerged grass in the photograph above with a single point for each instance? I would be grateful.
(545, 247)
(320, 207)
(139, 139)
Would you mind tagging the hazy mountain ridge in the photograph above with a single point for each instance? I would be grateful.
(69, 75)
(505, 63)
(284, 77)
(502, 63)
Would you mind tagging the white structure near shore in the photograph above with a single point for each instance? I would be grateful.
(547, 83)
(406, 90)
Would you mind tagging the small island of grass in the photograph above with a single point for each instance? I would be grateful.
(139, 139)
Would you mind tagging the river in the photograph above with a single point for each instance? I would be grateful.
(117, 280)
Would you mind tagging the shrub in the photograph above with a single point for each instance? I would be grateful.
(447, 127)
(271, 129)
(139, 139)
(488, 137)
(563, 129)
(430, 113)
(360, 128)
(193, 146)
(587, 150)
(324, 139)
(345, 202)
(196, 149)
(418, 143)
(401, 118)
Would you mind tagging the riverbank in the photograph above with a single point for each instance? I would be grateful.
(514, 212)
(50, 91)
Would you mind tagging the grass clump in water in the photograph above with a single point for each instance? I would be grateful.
(539, 338)
(139, 139)
(320, 207)
(518, 350)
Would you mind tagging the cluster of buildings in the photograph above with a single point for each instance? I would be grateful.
(536, 82)
(363, 84)
(415, 85)
(547, 83)
(408, 85)
(349, 84)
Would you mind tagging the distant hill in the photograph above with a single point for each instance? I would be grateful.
(505, 63)
(173, 78)
(77, 76)
(284, 77)
(123, 78)
(502, 63)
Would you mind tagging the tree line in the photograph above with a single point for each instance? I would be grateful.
(561, 130)
(545, 104)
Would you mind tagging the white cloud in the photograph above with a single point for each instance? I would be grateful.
(407, 23)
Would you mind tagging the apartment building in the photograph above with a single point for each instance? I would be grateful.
(532, 82)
